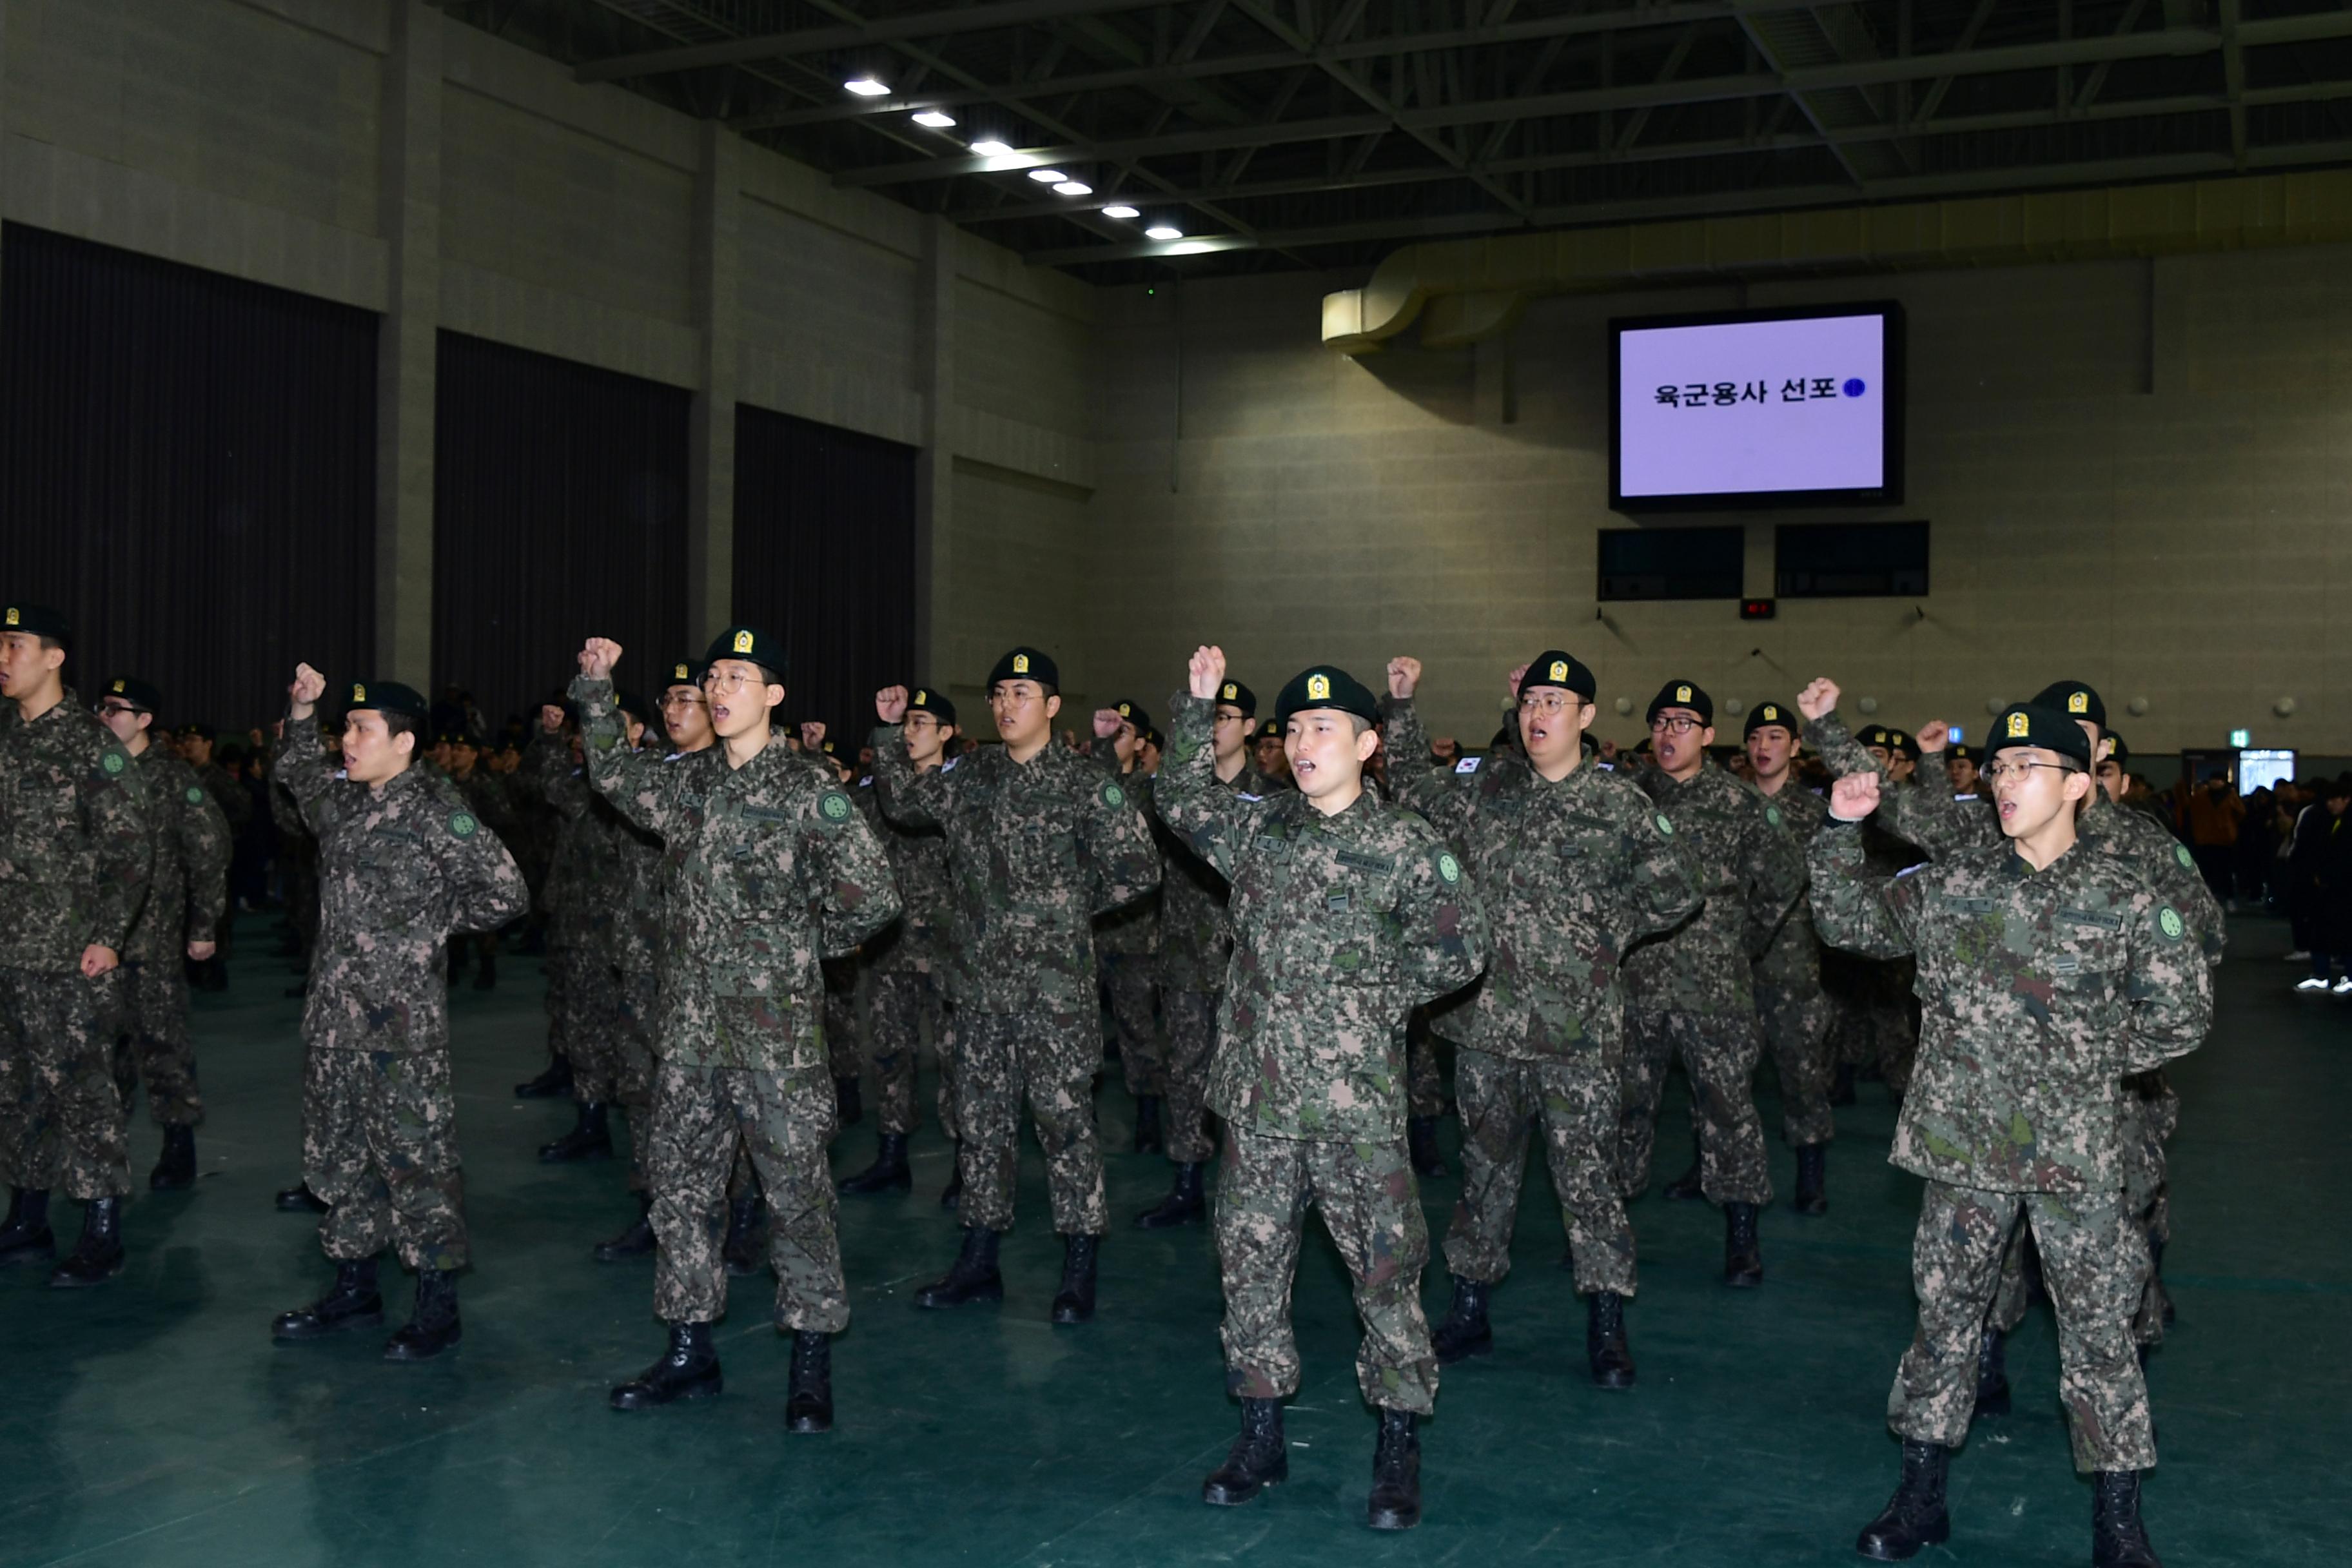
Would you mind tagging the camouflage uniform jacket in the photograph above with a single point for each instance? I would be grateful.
(2039, 991)
(1752, 873)
(766, 869)
(493, 803)
(919, 859)
(236, 806)
(1571, 874)
(1342, 926)
(602, 888)
(187, 889)
(1792, 963)
(75, 855)
(1133, 930)
(1036, 850)
(400, 866)
(1196, 924)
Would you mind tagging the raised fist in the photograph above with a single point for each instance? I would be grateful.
(598, 656)
(812, 735)
(308, 688)
(1854, 797)
(1405, 674)
(551, 718)
(1107, 724)
(1207, 671)
(1820, 700)
(890, 704)
(1932, 736)
(1511, 681)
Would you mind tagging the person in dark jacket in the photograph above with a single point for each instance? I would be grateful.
(2319, 886)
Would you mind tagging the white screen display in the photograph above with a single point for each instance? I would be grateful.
(1760, 407)
(2261, 770)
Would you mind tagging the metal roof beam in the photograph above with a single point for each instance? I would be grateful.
(853, 33)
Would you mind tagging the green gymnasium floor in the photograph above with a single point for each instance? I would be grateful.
(153, 1422)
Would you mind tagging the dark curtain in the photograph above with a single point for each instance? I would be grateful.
(824, 558)
(187, 469)
(559, 502)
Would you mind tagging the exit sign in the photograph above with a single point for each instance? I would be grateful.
(2241, 738)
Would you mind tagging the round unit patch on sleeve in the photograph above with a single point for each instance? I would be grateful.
(462, 826)
(1665, 828)
(1113, 796)
(2187, 861)
(2169, 921)
(835, 807)
(1448, 868)
(195, 794)
(1772, 815)
(112, 763)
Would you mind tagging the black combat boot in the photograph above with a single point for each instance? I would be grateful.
(888, 1171)
(808, 1407)
(98, 1256)
(1914, 1517)
(1183, 1205)
(744, 1250)
(973, 1278)
(1992, 1375)
(952, 1194)
(1075, 1301)
(1605, 1348)
(1466, 1331)
(1421, 1144)
(2119, 1539)
(26, 1235)
(590, 1138)
(689, 1370)
(1812, 1175)
(1148, 1135)
(352, 1303)
(556, 1080)
(634, 1242)
(1259, 1458)
(1841, 1086)
(1743, 1259)
(1688, 1184)
(848, 1101)
(1395, 1503)
(175, 1168)
(300, 1199)
(433, 1327)
(486, 977)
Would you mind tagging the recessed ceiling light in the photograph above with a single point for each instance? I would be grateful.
(991, 149)
(865, 87)
(1120, 212)
(1191, 248)
(935, 119)
(1047, 176)
(1074, 188)
(1162, 231)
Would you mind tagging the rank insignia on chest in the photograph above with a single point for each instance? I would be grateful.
(462, 824)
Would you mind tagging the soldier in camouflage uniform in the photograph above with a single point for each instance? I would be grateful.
(843, 1054)
(1348, 913)
(1691, 993)
(2046, 976)
(403, 863)
(1126, 941)
(1265, 746)
(197, 745)
(767, 867)
(1039, 842)
(494, 807)
(908, 961)
(188, 894)
(1196, 944)
(74, 865)
(1791, 1003)
(1573, 865)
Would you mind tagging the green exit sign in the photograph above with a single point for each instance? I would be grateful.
(2241, 738)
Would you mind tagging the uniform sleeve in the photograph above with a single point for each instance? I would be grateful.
(1665, 884)
(1851, 908)
(639, 787)
(485, 887)
(206, 845)
(854, 892)
(1936, 820)
(122, 855)
(1418, 779)
(2167, 867)
(556, 782)
(300, 768)
(1114, 844)
(236, 806)
(907, 797)
(1445, 926)
(2168, 985)
(1215, 823)
(1773, 876)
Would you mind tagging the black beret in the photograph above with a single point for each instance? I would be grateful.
(2118, 747)
(685, 672)
(1155, 740)
(1325, 686)
(830, 746)
(1904, 741)
(935, 703)
(1682, 694)
(1269, 730)
(1879, 735)
(375, 696)
(2073, 698)
(38, 619)
(2046, 728)
(1134, 714)
(1564, 670)
(748, 642)
(1026, 663)
(1240, 696)
(635, 707)
(1962, 755)
(1765, 713)
(137, 692)
(201, 731)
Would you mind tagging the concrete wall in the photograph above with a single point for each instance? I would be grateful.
(2137, 473)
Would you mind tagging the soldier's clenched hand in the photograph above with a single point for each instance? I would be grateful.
(308, 688)
(1853, 798)
(1511, 682)
(890, 704)
(597, 657)
(551, 718)
(1405, 674)
(1932, 736)
(1107, 724)
(1818, 700)
(812, 734)
(1207, 669)
(97, 959)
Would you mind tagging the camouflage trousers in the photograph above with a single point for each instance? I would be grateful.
(2087, 1261)
(1128, 978)
(1872, 1019)
(904, 1007)
(1424, 1086)
(152, 1043)
(1192, 1017)
(1718, 1052)
(785, 1119)
(1575, 1101)
(380, 1144)
(1796, 1026)
(62, 1126)
(842, 1054)
(1002, 1059)
(1370, 1206)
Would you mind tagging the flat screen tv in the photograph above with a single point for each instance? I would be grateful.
(1783, 407)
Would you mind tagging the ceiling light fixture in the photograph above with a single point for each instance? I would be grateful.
(935, 119)
(1120, 211)
(1047, 176)
(865, 87)
(1074, 188)
(1162, 231)
(990, 150)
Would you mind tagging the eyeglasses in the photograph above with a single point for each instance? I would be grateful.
(1545, 702)
(717, 682)
(106, 708)
(2015, 772)
(681, 699)
(1678, 724)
